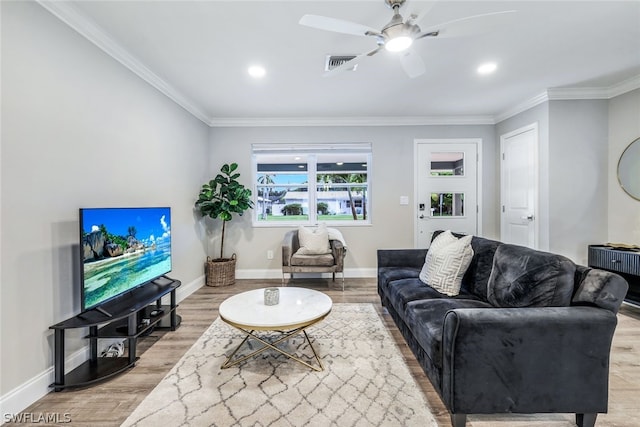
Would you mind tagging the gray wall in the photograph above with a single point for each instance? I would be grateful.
(578, 176)
(580, 200)
(624, 127)
(78, 130)
(393, 164)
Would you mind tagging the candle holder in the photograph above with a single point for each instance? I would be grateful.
(271, 296)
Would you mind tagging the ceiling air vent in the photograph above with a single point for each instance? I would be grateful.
(334, 61)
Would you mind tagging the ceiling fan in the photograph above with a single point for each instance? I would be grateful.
(397, 35)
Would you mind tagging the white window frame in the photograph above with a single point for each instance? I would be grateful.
(311, 152)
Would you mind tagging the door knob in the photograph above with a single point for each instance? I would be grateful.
(527, 217)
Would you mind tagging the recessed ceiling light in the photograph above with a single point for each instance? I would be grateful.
(487, 68)
(257, 71)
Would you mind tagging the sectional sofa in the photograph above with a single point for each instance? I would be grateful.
(529, 331)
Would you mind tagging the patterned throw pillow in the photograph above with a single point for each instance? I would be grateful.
(313, 242)
(447, 260)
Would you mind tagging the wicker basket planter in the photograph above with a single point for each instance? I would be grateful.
(220, 271)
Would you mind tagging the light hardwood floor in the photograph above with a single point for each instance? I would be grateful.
(109, 403)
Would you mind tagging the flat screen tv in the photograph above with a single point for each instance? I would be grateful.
(121, 249)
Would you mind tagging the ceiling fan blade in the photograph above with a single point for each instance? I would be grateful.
(470, 25)
(412, 64)
(417, 18)
(352, 63)
(337, 25)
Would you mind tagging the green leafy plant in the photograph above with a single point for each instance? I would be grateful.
(223, 196)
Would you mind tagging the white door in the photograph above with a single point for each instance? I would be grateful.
(447, 187)
(518, 188)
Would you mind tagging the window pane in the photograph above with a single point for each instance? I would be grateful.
(447, 204)
(447, 164)
(283, 178)
(282, 189)
(342, 203)
(282, 203)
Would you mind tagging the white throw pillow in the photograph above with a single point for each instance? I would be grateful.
(447, 260)
(313, 242)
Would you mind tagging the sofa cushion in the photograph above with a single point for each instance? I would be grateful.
(477, 276)
(387, 275)
(446, 263)
(313, 242)
(524, 277)
(425, 319)
(403, 291)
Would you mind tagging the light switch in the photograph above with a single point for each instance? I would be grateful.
(404, 200)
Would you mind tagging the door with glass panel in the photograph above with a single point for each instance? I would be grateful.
(447, 187)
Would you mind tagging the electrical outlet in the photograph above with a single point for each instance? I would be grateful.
(269, 254)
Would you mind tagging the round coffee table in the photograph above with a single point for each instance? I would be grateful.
(298, 309)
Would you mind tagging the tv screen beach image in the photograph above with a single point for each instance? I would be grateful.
(122, 248)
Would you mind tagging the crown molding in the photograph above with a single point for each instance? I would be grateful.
(625, 86)
(522, 107)
(577, 93)
(350, 121)
(74, 18)
(572, 93)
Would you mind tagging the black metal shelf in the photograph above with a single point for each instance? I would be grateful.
(129, 318)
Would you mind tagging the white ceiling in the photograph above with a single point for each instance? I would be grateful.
(198, 52)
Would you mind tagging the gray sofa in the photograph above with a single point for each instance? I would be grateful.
(530, 331)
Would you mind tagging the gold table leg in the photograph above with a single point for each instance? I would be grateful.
(272, 345)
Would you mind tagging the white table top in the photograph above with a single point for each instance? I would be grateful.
(298, 306)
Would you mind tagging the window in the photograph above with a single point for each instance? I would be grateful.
(309, 184)
(447, 164)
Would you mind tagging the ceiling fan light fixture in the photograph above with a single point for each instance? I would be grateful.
(398, 44)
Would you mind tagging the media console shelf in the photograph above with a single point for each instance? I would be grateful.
(122, 318)
(623, 262)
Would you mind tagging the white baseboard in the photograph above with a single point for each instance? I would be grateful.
(277, 274)
(30, 391)
(27, 393)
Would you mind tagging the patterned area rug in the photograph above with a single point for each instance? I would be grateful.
(365, 381)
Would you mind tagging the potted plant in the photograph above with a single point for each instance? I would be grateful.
(222, 197)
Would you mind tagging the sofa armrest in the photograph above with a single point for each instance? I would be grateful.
(412, 258)
(289, 246)
(549, 359)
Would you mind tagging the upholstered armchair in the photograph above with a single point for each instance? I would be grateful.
(295, 260)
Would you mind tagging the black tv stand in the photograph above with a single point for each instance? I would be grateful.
(123, 318)
(103, 311)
